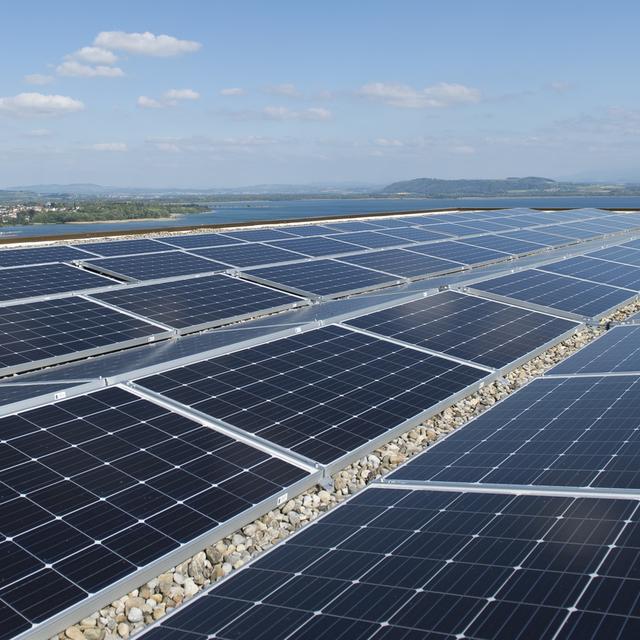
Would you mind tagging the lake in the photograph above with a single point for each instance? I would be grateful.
(255, 211)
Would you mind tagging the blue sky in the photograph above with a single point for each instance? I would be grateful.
(216, 94)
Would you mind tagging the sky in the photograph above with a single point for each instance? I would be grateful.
(207, 94)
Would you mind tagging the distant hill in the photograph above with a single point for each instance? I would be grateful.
(435, 188)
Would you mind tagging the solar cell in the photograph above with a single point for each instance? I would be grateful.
(409, 565)
(12, 392)
(196, 303)
(259, 235)
(595, 270)
(454, 229)
(632, 244)
(372, 239)
(562, 432)
(575, 230)
(489, 333)
(564, 293)
(322, 394)
(123, 247)
(249, 254)
(459, 252)
(102, 487)
(308, 230)
(196, 240)
(40, 333)
(538, 237)
(405, 264)
(317, 246)
(355, 225)
(506, 245)
(389, 223)
(153, 266)
(622, 254)
(487, 226)
(45, 280)
(417, 234)
(328, 278)
(618, 350)
(41, 255)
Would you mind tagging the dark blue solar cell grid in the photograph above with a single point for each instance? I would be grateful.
(321, 394)
(417, 234)
(113, 468)
(197, 301)
(355, 225)
(506, 245)
(12, 392)
(44, 280)
(577, 231)
(559, 292)
(599, 271)
(318, 246)
(623, 254)
(123, 247)
(249, 254)
(323, 277)
(410, 565)
(41, 255)
(487, 226)
(259, 235)
(308, 230)
(538, 237)
(36, 332)
(459, 252)
(404, 264)
(565, 432)
(152, 266)
(617, 350)
(196, 240)
(454, 229)
(633, 244)
(389, 223)
(489, 333)
(372, 239)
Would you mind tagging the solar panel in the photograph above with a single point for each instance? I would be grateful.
(328, 278)
(417, 234)
(454, 229)
(123, 247)
(459, 252)
(318, 246)
(410, 565)
(196, 303)
(102, 487)
(45, 280)
(622, 254)
(618, 350)
(576, 231)
(196, 240)
(555, 291)
(405, 264)
(308, 230)
(152, 266)
(249, 254)
(11, 392)
(372, 239)
(389, 223)
(632, 244)
(538, 237)
(489, 333)
(40, 255)
(355, 225)
(321, 394)
(259, 235)
(561, 432)
(602, 271)
(506, 245)
(487, 226)
(40, 333)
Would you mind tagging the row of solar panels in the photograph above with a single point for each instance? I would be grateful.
(524, 523)
(101, 489)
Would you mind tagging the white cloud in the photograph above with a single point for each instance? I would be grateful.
(232, 91)
(206, 144)
(146, 44)
(181, 94)
(462, 150)
(285, 89)
(284, 113)
(73, 68)
(438, 95)
(559, 86)
(38, 78)
(109, 146)
(149, 103)
(170, 98)
(94, 55)
(39, 104)
(388, 142)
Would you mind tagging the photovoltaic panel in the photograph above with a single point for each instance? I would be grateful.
(618, 350)
(622, 254)
(41, 255)
(397, 564)
(152, 266)
(259, 235)
(556, 291)
(405, 264)
(506, 245)
(576, 230)
(40, 333)
(633, 244)
(196, 240)
(459, 252)
(561, 432)
(100, 487)
(489, 333)
(249, 254)
(308, 230)
(321, 394)
(599, 271)
(195, 303)
(417, 234)
(389, 223)
(454, 229)
(372, 239)
(328, 278)
(538, 237)
(317, 246)
(11, 392)
(486, 226)
(355, 225)
(123, 247)
(507, 223)
(45, 280)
